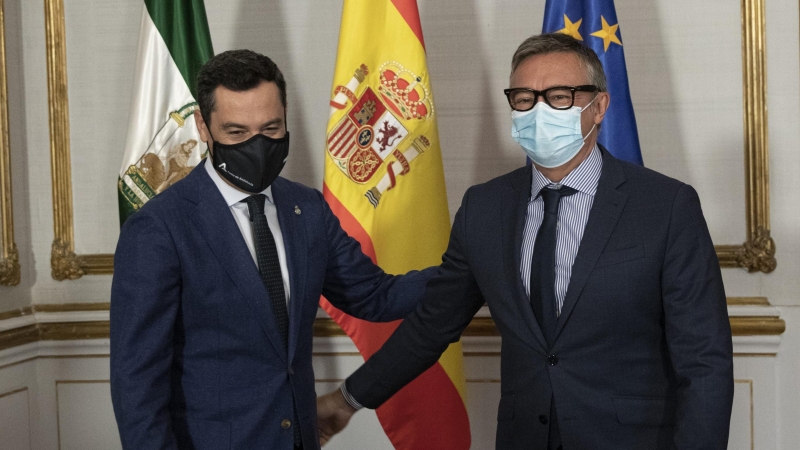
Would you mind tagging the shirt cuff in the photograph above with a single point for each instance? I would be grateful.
(349, 398)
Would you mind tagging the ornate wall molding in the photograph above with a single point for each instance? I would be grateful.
(757, 253)
(64, 262)
(78, 321)
(9, 256)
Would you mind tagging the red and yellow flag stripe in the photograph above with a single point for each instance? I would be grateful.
(385, 182)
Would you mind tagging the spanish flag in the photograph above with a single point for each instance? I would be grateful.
(385, 182)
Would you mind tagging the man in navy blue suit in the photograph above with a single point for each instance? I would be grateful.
(217, 282)
(600, 276)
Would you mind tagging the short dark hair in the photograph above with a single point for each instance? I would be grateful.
(237, 70)
(562, 43)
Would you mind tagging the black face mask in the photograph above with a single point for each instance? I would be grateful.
(251, 165)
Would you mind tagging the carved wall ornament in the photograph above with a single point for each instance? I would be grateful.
(758, 255)
(10, 269)
(65, 264)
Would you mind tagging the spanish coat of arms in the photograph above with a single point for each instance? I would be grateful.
(375, 129)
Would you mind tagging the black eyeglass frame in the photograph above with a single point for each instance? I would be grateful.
(543, 94)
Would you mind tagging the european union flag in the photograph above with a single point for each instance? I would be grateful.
(595, 23)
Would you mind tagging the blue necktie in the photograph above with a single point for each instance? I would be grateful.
(543, 284)
(543, 263)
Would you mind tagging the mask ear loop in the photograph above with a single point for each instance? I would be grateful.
(590, 103)
(589, 133)
(593, 126)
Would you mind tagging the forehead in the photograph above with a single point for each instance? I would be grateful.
(261, 102)
(548, 70)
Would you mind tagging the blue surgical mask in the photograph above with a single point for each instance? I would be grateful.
(550, 137)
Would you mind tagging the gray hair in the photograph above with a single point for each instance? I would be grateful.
(562, 43)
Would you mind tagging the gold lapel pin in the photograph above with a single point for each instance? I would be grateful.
(297, 210)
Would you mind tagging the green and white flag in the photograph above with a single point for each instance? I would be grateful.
(163, 144)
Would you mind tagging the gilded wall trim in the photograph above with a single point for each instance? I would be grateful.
(748, 301)
(65, 264)
(323, 327)
(16, 313)
(757, 253)
(19, 336)
(9, 256)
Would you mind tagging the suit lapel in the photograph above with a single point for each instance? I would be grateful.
(606, 210)
(215, 221)
(515, 206)
(293, 229)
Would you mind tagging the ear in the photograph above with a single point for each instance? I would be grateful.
(202, 127)
(600, 106)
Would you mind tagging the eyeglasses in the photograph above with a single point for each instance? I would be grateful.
(557, 97)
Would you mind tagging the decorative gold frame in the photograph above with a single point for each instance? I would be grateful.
(323, 327)
(9, 256)
(757, 254)
(65, 264)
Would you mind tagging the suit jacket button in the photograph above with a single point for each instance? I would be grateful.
(286, 424)
(291, 370)
(552, 360)
(543, 419)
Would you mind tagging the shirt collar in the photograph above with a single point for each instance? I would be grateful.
(583, 178)
(231, 195)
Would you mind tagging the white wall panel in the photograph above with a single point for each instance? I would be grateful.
(684, 62)
(85, 416)
(741, 435)
(15, 419)
(787, 422)
(71, 405)
(101, 57)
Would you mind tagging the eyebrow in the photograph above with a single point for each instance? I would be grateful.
(233, 125)
(229, 125)
(272, 122)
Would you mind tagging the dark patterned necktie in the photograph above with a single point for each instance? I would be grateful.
(543, 263)
(270, 268)
(268, 264)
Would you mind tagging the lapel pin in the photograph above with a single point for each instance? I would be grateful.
(297, 210)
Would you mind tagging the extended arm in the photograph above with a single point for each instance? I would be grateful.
(697, 329)
(354, 284)
(451, 300)
(145, 295)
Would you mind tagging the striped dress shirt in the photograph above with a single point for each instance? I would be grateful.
(573, 213)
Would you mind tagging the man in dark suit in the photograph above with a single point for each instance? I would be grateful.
(600, 276)
(217, 282)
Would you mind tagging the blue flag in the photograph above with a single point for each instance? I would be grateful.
(594, 22)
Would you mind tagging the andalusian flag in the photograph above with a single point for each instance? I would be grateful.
(163, 144)
(385, 182)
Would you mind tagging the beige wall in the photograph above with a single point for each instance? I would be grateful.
(684, 63)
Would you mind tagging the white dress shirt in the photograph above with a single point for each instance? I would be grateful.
(241, 214)
(573, 213)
